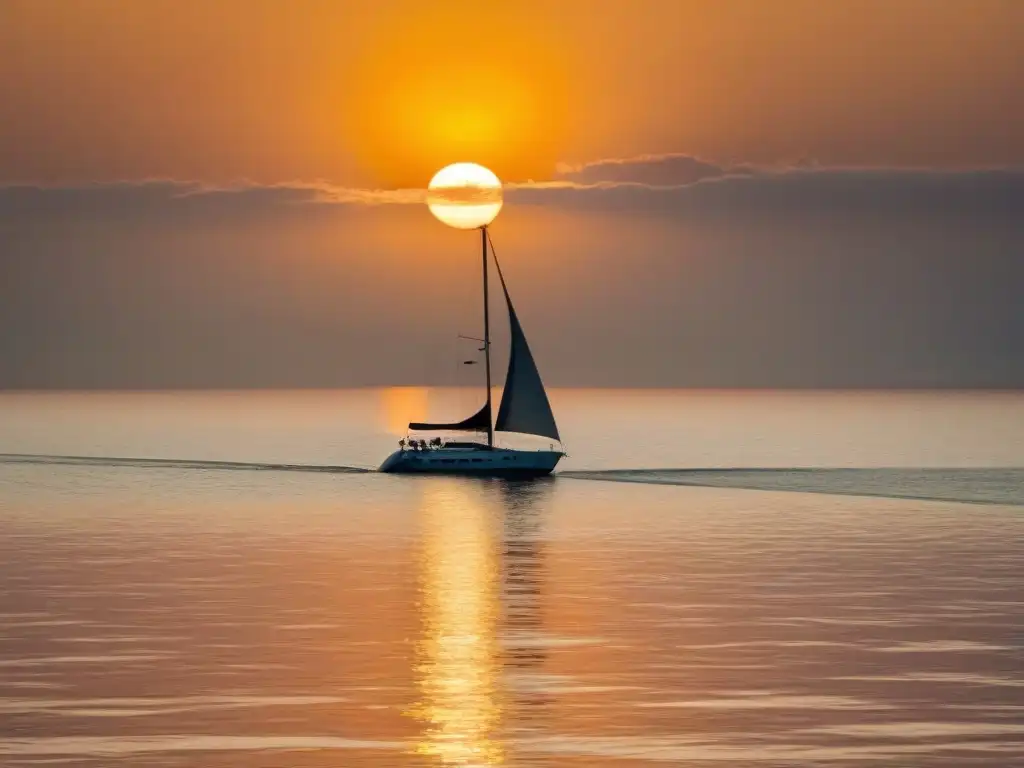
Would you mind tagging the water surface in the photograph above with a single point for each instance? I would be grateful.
(193, 615)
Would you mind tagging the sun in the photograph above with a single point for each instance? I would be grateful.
(465, 195)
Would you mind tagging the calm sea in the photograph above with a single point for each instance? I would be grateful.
(713, 579)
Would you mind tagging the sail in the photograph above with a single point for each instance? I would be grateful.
(478, 422)
(524, 403)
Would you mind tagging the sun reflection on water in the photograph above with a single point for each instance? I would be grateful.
(458, 656)
(400, 405)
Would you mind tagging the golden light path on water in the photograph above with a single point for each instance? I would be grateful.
(400, 405)
(465, 195)
(458, 656)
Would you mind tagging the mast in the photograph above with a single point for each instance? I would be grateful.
(487, 339)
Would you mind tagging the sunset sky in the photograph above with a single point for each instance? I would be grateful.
(718, 193)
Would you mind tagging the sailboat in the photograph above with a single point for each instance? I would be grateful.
(524, 409)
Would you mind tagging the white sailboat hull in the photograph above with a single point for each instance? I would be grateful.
(483, 462)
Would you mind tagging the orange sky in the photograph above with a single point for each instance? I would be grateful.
(679, 262)
(383, 94)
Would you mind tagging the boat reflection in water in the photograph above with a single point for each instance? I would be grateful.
(525, 652)
(479, 589)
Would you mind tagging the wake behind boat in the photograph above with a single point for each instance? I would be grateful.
(524, 409)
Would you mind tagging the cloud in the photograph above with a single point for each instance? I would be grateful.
(185, 197)
(798, 276)
(672, 185)
(799, 191)
(668, 170)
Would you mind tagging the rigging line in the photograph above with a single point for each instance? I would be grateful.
(494, 253)
(504, 288)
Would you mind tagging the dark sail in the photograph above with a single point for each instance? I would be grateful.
(478, 422)
(524, 403)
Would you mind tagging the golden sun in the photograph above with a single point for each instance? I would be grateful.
(464, 196)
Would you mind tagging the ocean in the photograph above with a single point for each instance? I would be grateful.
(219, 579)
